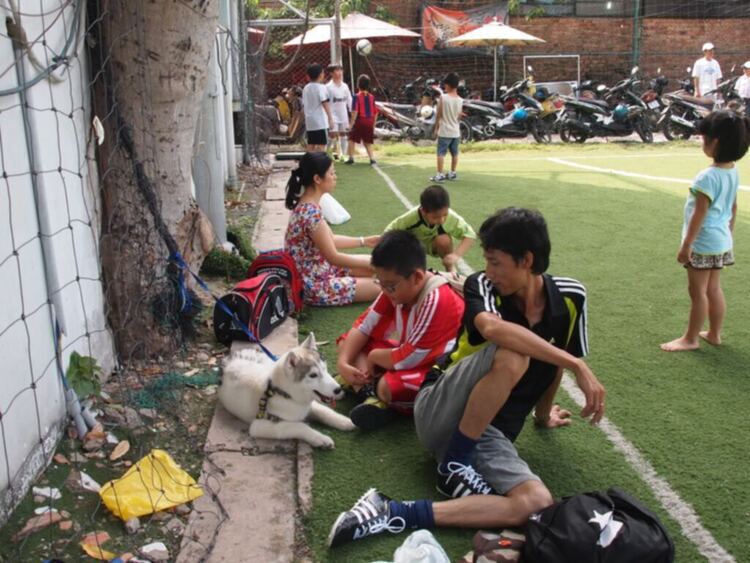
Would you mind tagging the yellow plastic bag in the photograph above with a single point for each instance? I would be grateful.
(155, 483)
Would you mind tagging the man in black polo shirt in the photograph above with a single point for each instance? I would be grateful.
(521, 329)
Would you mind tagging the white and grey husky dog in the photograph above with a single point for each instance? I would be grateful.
(276, 398)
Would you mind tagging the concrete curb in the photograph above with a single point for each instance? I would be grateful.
(256, 491)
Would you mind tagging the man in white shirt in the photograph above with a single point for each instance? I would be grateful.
(706, 71)
(743, 87)
(340, 98)
(317, 109)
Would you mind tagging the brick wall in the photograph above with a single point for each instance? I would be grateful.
(605, 46)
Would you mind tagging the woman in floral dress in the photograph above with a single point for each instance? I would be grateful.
(330, 276)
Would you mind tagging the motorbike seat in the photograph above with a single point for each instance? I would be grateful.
(601, 103)
(707, 103)
(400, 107)
(492, 105)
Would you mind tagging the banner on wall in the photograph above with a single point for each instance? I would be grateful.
(439, 24)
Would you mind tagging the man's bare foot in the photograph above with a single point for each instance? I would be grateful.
(710, 338)
(681, 344)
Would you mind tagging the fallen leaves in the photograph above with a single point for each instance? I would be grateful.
(60, 459)
(97, 552)
(36, 523)
(120, 450)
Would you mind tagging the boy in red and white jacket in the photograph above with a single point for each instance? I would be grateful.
(393, 344)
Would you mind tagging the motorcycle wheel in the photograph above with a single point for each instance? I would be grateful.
(383, 123)
(672, 131)
(465, 130)
(540, 133)
(644, 131)
(415, 133)
(570, 135)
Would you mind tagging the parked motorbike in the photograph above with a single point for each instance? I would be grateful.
(652, 97)
(588, 117)
(683, 111)
(405, 121)
(517, 114)
(679, 120)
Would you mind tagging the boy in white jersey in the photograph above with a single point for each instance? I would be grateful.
(447, 128)
(340, 98)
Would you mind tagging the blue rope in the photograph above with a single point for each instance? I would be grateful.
(176, 257)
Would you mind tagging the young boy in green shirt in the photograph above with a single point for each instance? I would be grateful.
(437, 226)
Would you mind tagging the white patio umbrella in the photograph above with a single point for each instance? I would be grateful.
(494, 34)
(354, 27)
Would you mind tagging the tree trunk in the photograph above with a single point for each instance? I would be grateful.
(151, 62)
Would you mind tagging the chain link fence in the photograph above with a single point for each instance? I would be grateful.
(99, 107)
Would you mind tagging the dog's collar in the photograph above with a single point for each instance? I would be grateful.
(263, 403)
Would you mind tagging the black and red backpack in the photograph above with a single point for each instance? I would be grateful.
(280, 263)
(258, 304)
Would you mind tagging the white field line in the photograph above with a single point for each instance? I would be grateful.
(461, 265)
(627, 174)
(482, 156)
(677, 508)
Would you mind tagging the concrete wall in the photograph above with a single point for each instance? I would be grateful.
(49, 261)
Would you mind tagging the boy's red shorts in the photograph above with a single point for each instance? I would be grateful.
(403, 384)
(362, 132)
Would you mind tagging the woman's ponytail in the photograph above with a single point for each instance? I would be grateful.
(294, 189)
(310, 165)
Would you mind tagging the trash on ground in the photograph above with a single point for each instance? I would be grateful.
(47, 492)
(36, 523)
(420, 547)
(132, 525)
(81, 482)
(175, 526)
(44, 509)
(112, 439)
(154, 483)
(155, 551)
(94, 440)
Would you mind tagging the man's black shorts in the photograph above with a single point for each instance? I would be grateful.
(317, 137)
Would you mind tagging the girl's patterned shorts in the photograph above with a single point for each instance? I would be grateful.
(711, 261)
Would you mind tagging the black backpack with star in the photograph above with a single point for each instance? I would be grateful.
(598, 527)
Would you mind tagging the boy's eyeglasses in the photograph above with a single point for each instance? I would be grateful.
(387, 287)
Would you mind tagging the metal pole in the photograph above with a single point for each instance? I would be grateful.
(494, 81)
(336, 37)
(636, 32)
(244, 98)
(351, 67)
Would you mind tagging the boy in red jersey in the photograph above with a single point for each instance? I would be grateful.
(362, 122)
(417, 307)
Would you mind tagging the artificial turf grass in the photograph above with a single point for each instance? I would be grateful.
(623, 248)
(637, 300)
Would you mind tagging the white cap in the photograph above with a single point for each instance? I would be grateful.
(746, 65)
(707, 46)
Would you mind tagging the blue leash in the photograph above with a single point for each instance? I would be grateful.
(176, 257)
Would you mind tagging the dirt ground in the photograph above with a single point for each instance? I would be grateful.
(167, 403)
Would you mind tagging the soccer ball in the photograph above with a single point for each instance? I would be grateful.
(426, 112)
(364, 47)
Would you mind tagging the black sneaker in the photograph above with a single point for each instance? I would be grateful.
(364, 393)
(458, 480)
(369, 516)
(371, 414)
(373, 162)
(350, 161)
